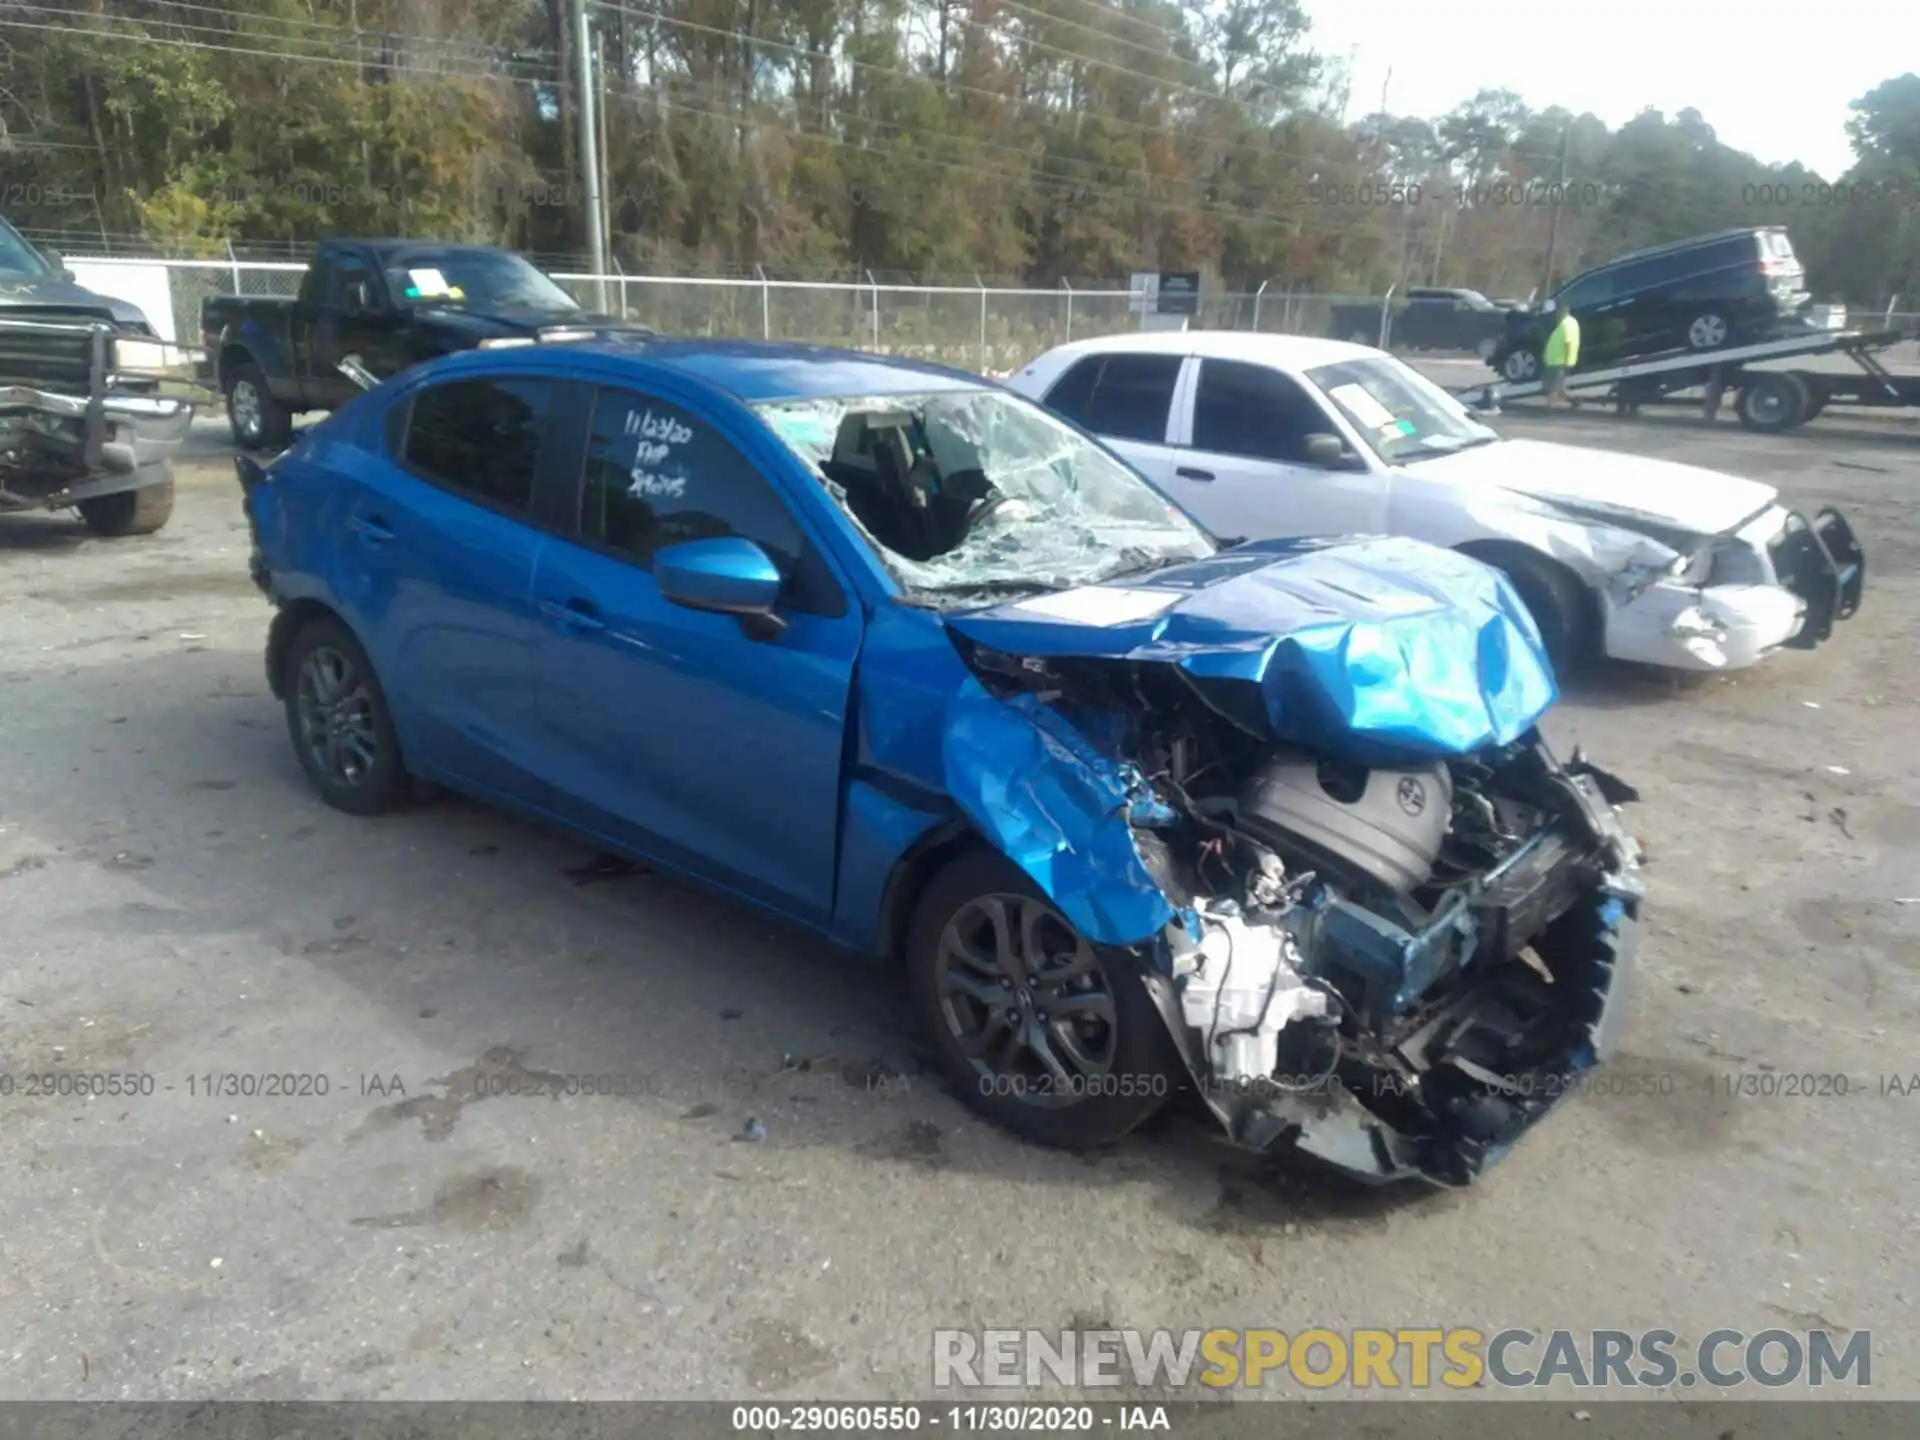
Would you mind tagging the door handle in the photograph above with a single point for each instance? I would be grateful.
(575, 614)
(372, 528)
(1187, 472)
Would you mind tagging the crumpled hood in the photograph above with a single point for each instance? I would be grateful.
(1685, 497)
(1369, 650)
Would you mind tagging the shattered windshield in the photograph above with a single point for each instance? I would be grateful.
(1399, 412)
(976, 493)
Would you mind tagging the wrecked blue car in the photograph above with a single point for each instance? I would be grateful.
(897, 654)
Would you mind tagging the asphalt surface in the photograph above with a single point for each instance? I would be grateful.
(176, 904)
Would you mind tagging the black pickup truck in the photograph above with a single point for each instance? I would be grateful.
(385, 304)
(1431, 319)
(85, 423)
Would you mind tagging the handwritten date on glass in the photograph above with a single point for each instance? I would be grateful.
(655, 437)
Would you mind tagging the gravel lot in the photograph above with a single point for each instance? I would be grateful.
(175, 902)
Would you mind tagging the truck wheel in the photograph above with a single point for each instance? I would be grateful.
(1772, 402)
(1041, 1032)
(259, 421)
(130, 512)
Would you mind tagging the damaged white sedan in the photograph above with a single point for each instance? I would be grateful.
(1270, 436)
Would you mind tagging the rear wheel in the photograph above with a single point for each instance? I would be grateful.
(131, 512)
(1040, 1031)
(258, 421)
(338, 720)
(1521, 366)
(1773, 402)
(1708, 330)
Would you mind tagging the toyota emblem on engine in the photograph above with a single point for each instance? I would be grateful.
(1413, 795)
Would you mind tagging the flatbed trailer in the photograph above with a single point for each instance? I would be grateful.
(1765, 400)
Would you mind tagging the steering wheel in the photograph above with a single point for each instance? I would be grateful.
(984, 508)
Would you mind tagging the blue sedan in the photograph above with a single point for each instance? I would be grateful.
(895, 653)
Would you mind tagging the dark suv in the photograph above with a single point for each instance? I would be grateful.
(1698, 294)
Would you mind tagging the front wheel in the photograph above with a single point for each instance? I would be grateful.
(1039, 1031)
(338, 720)
(1559, 605)
(131, 512)
(1520, 366)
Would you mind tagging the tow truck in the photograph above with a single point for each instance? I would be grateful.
(1765, 400)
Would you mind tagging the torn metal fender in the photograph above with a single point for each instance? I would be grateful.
(1041, 793)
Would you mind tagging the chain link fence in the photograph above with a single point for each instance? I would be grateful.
(990, 329)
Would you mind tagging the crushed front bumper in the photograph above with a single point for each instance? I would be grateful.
(1451, 1093)
(58, 449)
(1814, 576)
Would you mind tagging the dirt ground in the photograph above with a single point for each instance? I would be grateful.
(176, 904)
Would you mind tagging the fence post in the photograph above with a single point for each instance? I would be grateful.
(983, 322)
(1887, 319)
(1067, 285)
(766, 306)
(875, 286)
(1256, 303)
(234, 261)
(1386, 315)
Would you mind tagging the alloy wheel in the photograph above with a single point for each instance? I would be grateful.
(1027, 1000)
(1707, 331)
(336, 717)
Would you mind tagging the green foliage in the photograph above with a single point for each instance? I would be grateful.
(942, 138)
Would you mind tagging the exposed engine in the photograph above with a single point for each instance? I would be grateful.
(1422, 942)
(1397, 969)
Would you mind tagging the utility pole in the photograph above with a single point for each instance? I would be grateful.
(587, 85)
(1560, 197)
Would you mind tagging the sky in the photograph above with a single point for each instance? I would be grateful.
(1772, 78)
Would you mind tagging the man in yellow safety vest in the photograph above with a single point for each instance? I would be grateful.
(1560, 354)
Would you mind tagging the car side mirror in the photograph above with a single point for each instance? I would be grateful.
(1330, 452)
(729, 576)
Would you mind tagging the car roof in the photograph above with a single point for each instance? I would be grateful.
(1689, 243)
(1299, 351)
(750, 371)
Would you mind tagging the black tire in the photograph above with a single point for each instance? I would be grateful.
(1134, 1069)
(1709, 330)
(269, 423)
(1559, 604)
(1774, 401)
(338, 720)
(131, 512)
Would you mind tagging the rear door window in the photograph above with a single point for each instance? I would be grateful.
(480, 439)
(1123, 397)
